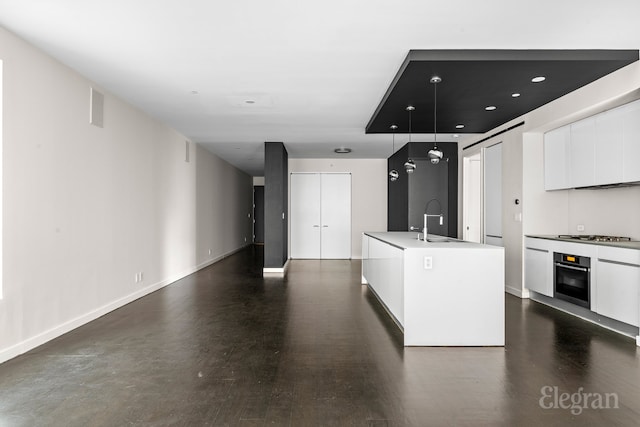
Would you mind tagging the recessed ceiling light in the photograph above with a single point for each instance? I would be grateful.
(342, 150)
(490, 108)
(538, 79)
(515, 95)
(460, 126)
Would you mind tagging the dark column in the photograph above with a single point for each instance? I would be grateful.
(398, 192)
(276, 171)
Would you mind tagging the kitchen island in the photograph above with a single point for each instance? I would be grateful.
(440, 292)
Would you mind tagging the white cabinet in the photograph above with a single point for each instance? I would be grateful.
(600, 150)
(617, 289)
(630, 117)
(608, 148)
(321, 215)
(583, 153)
(557, 165)
(538, 268)
(618, 284)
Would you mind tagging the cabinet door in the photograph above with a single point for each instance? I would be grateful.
(557, 162)
(305, 215)
(618, 291)
(335, 216)
(609, 148)
(583, 153)
(537, 271)
(631, 142)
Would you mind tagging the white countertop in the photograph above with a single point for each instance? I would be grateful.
(626, 245)
(409, 240)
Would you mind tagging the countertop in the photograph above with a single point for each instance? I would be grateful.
(409, 240)
(627, 245)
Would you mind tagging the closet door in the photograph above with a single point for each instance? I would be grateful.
(335, 208)
(305, 215)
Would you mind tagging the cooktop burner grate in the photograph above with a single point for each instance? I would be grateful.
(594, 238)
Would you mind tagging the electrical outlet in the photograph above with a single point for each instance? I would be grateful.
(580, 227)
(209, 251)
(428, 263)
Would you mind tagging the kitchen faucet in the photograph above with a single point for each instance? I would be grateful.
(426, 216)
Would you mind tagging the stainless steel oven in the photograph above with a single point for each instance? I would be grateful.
(572, 278)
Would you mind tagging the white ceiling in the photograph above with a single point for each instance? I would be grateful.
(316, 70)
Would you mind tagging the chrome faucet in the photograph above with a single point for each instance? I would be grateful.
(426, 216)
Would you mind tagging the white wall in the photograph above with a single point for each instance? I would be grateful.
(368, 192)
(511, 212)
(86, 209)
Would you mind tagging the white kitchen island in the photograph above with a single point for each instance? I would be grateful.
(440, 293)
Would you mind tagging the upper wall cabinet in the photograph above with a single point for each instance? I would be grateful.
(608, 146)
(630, 117)
(583, 153)
(597, 151)
(557, 167)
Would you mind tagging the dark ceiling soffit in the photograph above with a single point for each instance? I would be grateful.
(626, 56)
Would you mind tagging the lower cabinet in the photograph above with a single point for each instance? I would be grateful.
(537, 270)
(618, 291)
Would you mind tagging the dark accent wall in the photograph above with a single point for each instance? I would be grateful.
(409, 195)
(398, 192)
(276, 172)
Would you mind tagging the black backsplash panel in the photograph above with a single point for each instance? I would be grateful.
(436, 185)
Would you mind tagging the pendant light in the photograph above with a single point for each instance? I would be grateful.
(393, 174)
(434, 154)
(409, 165)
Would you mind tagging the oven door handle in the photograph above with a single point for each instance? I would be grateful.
(571, 267)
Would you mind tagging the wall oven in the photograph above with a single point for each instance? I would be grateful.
(572, 278)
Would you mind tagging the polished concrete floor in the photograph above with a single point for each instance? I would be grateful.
(227, 347)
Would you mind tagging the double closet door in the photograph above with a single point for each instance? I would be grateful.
(321, 215)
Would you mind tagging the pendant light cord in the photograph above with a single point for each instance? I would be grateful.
(410, 125)
(435, 107)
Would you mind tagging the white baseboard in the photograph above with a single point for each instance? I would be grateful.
(518, 292)
(638, 340)
(43, 337)
(278, 271)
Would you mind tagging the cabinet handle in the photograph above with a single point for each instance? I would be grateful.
(316, 226)
(570, 267)
(325, 226)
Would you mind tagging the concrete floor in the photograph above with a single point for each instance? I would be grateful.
(225, 346)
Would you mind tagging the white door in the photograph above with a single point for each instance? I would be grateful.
(305, 215)
(320, 216)
(335, 204)
(493, 195)
(472, 199)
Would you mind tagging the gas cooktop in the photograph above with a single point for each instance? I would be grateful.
(594, 238)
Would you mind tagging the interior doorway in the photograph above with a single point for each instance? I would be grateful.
(258, 214)
(472, 185)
